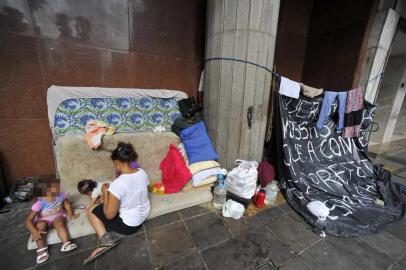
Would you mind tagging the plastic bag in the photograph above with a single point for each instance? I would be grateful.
(242, 180)
(233, 209)
(23, 189)
(320, 210)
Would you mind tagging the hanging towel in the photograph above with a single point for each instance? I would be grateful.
(95, 130)
(311, 92)
(353, 112)
(289, 88)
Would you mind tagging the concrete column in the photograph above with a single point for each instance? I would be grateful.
(379, 43)
(394, 114)
(245, 30)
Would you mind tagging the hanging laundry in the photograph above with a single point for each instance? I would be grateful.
(95, 130)
(310, 92)
(289, 88)
(328, 100)
(175, 173)
(353, 112)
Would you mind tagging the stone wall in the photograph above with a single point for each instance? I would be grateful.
(109, 43)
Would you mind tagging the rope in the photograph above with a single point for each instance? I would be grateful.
(374, 78)
(269, 70)
(242, 61)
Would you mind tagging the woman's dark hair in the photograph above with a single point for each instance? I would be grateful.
(86, 186)
(124, 152)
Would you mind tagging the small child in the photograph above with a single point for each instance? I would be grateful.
(91, 188)
(50, 209)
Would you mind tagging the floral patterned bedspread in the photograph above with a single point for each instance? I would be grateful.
(126, 114)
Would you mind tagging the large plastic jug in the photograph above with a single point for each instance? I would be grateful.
(271, 191)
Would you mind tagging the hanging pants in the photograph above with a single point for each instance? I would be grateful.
(328, 100)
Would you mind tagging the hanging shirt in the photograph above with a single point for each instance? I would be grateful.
(289, 88)
(353, 112)
(311, 92)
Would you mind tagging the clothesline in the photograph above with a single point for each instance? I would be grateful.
(269, 70)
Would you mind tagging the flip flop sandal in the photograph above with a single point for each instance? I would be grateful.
(68, 246)
(115, 236)
(110, 237)
(41, 258)
(106, 247)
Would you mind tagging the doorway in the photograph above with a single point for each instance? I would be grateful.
(391, 110)
(388, 137)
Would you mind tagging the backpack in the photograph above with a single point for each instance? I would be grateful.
(23, 189)
(188, 107)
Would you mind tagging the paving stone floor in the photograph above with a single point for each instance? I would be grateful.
(199, 238)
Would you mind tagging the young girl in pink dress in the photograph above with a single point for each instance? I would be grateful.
(50, 209)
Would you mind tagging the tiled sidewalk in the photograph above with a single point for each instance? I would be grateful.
(199, 238)
(393, 160)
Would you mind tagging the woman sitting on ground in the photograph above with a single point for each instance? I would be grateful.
(125, 202)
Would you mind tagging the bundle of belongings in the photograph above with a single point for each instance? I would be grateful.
(191, 164)
(323, 164)
(241, 184)
(241, 181)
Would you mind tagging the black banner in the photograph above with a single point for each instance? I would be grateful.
(335, 172)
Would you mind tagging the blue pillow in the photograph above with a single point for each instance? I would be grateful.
(197, 143)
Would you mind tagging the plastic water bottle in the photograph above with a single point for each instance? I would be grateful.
(220, 193)
(271, 191)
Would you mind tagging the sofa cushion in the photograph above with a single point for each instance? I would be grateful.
(77, 161)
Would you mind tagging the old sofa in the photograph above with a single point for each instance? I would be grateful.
(75, 160)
